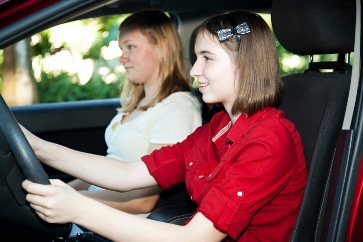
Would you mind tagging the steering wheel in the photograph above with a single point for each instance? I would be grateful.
(18, 162)
(22, 151)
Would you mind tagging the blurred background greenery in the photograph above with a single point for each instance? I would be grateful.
(83, 68)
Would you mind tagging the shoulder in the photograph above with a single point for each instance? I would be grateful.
(181, 99)
(264, 124)
(276, 118)
(180, 96)
(271, 119)
(273, 127)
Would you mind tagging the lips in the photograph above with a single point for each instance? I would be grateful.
(203, 84)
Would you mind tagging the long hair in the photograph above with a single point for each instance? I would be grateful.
(255, 57)
(158, 28)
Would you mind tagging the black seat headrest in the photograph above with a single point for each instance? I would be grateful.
(308, 27)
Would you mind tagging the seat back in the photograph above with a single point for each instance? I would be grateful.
(315, 101)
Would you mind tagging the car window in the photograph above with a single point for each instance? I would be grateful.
(76, 60)
(79, 61)
(81, 68)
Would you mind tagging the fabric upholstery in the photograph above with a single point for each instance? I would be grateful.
(316, 100)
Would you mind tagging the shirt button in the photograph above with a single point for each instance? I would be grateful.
(191, 197)
(239, 194)
(210, 175)
(191, 163)
(200, 177)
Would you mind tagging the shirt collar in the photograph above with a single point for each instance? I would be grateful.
(222, 124)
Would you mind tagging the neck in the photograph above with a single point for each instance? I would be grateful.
(233, 117)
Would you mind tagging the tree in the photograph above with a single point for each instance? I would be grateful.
(18, 87)
(8, 88)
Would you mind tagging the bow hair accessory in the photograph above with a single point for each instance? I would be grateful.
(224, 34)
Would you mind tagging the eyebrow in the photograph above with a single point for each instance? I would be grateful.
(125, 41)
(202, 52)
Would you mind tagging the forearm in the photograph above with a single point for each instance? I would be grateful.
(137, 201)
(78, 184)
(78, 164)
(120, 226)
(59, 203)
(95, 169)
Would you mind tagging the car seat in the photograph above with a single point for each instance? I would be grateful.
(316, 100)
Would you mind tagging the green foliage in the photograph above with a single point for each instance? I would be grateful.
(109, 27)
(62, 88)
(58, 85)
(44, 46)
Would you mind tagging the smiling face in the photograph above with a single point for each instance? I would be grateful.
(140, 57)
(215, 71)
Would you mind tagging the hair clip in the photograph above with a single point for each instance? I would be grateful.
(227, 33)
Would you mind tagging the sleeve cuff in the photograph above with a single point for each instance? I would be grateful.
(226, 213)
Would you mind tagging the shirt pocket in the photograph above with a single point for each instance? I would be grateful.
(193, 164)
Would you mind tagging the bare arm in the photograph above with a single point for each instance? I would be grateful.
(137, 201)
(134, 202)
(95, 169)
(59, 203)
(79, 185)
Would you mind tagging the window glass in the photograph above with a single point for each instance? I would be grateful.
(79, 61)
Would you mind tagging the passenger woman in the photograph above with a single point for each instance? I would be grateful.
(158, 108)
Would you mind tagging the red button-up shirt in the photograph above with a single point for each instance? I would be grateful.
(247, 178)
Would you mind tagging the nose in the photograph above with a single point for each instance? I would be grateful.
(196, 69)
(123, 58)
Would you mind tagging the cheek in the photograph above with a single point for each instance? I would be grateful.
(212, 72)
(149, 58)
(223, 80)
(217, 74)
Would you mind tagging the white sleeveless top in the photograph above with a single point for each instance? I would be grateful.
(168, 122)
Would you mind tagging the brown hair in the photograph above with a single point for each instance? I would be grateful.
(255, 56)
(157, 27)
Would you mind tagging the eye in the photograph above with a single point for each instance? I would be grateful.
(130, 47)
(207, 58)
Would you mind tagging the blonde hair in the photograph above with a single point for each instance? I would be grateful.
(255, 57)
(157, 27)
